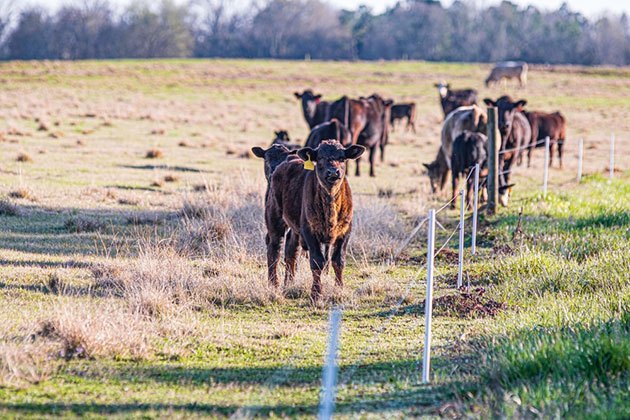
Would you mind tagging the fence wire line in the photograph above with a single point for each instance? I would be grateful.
(447, 240)
(472, 169)
(528, 146)
(413, 233)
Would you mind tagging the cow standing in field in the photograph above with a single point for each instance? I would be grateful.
(273, 157)
(332, 129)
(469, 148)
(402, 111)
(515, 132)
(453, 99)
(508, 70)
(472, 118)
(313, 107)
(282, 138)
(376, 131)
(316, 203)
(552, 125)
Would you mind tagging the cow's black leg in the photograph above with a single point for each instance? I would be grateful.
(529, 156)
(274, 242)
(326, 258)
(357, 162)
(382, 146)
(339, 258)
(372, 153)
(560, 145)
(290, 256)
(552, 146)
(317, 262)
(454, 182)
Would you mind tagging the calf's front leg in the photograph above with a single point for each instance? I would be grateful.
(339, 258)
(317, 262)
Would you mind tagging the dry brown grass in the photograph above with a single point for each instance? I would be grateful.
(378, 230)
(24, 193)
(81, 224)
(154, 154)
(24, 363)
(23, 157)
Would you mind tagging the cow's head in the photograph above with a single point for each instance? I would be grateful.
(282, 136)
(506, 108)
(330, 161)
(442, 87)
(309, 101)
(273, 157)
(437, 175)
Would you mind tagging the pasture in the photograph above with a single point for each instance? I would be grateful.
(132, 256)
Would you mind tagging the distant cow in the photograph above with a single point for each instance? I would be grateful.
(282, 138)
(453, 99)
(469, 148)
(515, 132)
(273, 157)
(472, 118)
(313, 107)
(401, 111)
(544, 125)
(376, 131)
(332, 129)
(508, 70)
(316, 203)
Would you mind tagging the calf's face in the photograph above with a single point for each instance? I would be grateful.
(506, 110)
(309, 101)
(273, 157)
(330, 161)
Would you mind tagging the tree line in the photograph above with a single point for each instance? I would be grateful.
(298, 29)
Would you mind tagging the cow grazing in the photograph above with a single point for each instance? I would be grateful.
(472, 118)
(282, 138)
(376, 131)
(508, 70)
(313, 107)
(543, 125)
(317, 204)
(469, 148)
(453, 99)
(332, 129)
(515, 131)
(402, 111)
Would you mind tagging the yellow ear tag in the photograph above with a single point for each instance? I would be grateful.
(309, 165)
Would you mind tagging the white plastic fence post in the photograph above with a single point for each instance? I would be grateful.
(329, 379)
(460, 265)
(580, 157)
(612, 157)
(546, 170)
(428, 302)
(476, 204)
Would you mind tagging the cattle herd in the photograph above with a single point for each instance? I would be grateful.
(308, 203)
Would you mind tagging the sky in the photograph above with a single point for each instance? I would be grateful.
(589, 8)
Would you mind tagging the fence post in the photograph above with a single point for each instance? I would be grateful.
(329, 379)
(546, 169)
(476, 204)
(494, 144)
(580, 157)
(428, 301)
(612, 157)
(460, 265)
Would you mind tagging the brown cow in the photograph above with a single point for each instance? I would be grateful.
(452, 99)
(551, 125)
(332, 129)
(401, 111)
(318, 204)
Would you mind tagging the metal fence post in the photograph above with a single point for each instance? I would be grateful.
(546, 169)
(428, 302)
(329, 375)
(460, 265)
(476, 204)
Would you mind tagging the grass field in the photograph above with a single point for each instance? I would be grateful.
(136, 286)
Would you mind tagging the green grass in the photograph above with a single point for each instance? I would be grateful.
(560, 349)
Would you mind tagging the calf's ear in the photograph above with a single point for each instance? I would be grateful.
(520, 104)
(298, 95)
(318, 96)
(389, 102)
(489, 102)
(259, 152)
(307, 153)
(354, 151)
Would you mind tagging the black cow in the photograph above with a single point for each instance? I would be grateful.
(453, 99)
(404, 110)
(332, 129)
(515, 132)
